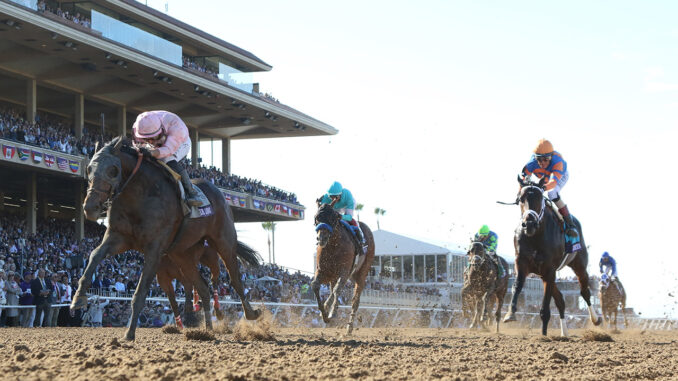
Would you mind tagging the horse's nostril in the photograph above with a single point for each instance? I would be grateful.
(524, 224)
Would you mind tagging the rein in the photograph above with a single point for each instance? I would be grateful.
(118, 191)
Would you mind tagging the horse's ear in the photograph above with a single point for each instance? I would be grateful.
(521, 181)
(542, 182)
(118, 144)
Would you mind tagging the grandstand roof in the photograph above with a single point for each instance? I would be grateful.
(388, 243)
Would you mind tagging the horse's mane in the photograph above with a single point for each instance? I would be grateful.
(129, 149)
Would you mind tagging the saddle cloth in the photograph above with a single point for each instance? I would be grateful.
(354, 233)
(572, 247)
(202, 210)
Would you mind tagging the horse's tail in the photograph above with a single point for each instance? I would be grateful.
(248, 254)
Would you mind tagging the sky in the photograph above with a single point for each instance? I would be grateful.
(440, 103)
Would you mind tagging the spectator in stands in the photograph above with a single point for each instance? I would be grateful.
(41, 290)
(55, 296)
(26, 315)
(96, 311)
(3, 297)
(119, 285)
(13, 293)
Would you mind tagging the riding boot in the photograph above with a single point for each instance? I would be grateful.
(500, 267)
(570, 227)
(191, 194)
(361, 238)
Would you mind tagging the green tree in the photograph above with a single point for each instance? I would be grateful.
(358, 208)
(270, 229)
(379, 212)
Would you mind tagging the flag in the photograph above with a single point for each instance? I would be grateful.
(227, 197)
(277, 208)
(37, 156)
(49, 160)
(8, 151)
(269, 207)
(256, 204)
(62, 163)
(24, 153)
(295, 213)
(74, 166)
(243, 202)
(301, 214)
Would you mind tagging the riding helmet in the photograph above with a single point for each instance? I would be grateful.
(335, 189)
(544, 148)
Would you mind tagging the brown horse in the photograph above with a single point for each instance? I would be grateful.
(168, 270)
(335, 257)
(540, 249)
(146, 215)
(611, 298)
(483, 283)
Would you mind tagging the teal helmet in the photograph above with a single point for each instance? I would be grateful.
(335, 189)
(484, 231)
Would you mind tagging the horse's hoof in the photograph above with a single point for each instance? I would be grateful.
(253, 315)
(600, 320)
(220, 314)
(79, 302)
(129, 337)
(509, 317)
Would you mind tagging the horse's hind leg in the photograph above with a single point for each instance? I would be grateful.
(583, 277)
(560, 303)
(229, 256)
(355, 303)
(213, 263)
(151, 259)
(166, 284)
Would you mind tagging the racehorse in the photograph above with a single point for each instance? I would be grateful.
(539, 242)
(611, 298)
(145, 214)
(168, 270)
(335, 257)
(483, 283)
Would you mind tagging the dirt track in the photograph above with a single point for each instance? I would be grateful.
(380, 354)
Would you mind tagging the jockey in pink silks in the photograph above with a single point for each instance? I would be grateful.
(168, 136)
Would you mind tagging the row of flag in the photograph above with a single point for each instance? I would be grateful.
(25, 154)
(270, 207)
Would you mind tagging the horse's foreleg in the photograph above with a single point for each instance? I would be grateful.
(517, 288)
(111, 244)
(583, 278)
(315, 286)
(355, 303)
(623, 307)
(545, 311)
(327, 305)
(151, 259)
(475, 320)
(560, 303)
(337, 289)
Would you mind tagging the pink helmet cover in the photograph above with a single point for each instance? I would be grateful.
(148, 125)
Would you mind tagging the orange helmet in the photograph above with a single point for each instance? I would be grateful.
(544, 148)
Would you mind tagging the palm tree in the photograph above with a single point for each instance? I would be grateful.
(379, 212)
(270, 229)
(358, 208)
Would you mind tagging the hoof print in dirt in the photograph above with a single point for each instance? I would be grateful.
(170, 329)
(199, 335)
(559, 357)
(590, 335)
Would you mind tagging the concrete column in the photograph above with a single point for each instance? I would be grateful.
(44, 208)
(79, 212)
(79, 118)
(226, 155)
(195, 146)
(31, 191)
(31, 100)
(122, 121)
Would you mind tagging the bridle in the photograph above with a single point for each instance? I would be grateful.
(482, 258)
(530, 212)
(111, 194)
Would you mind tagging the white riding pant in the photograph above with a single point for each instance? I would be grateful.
(553, 193)
(181, 152)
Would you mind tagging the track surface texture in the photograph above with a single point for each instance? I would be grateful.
(324, 354)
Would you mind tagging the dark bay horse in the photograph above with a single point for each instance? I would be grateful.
(168, 271)
(540, 248)
(611, 299)
(484, 283)
(335, 256)
(146, 215)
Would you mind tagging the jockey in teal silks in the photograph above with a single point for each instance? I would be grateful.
(345, 206)
(489, 239)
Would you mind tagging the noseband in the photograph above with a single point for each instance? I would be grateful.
(529, 212)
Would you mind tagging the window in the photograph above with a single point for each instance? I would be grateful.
(407, 269)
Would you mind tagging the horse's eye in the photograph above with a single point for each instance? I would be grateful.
(112, 172)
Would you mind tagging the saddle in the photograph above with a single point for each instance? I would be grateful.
(572, 244)
(354, 233)
(202, 210)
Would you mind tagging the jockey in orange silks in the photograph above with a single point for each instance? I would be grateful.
(549, 164)
(168, 136)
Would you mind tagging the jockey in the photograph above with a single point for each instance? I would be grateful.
(345, 206)
(489, 239)
(549, 164)
(168, 136)
(610, 268)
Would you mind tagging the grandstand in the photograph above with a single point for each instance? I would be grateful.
(72, 72)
